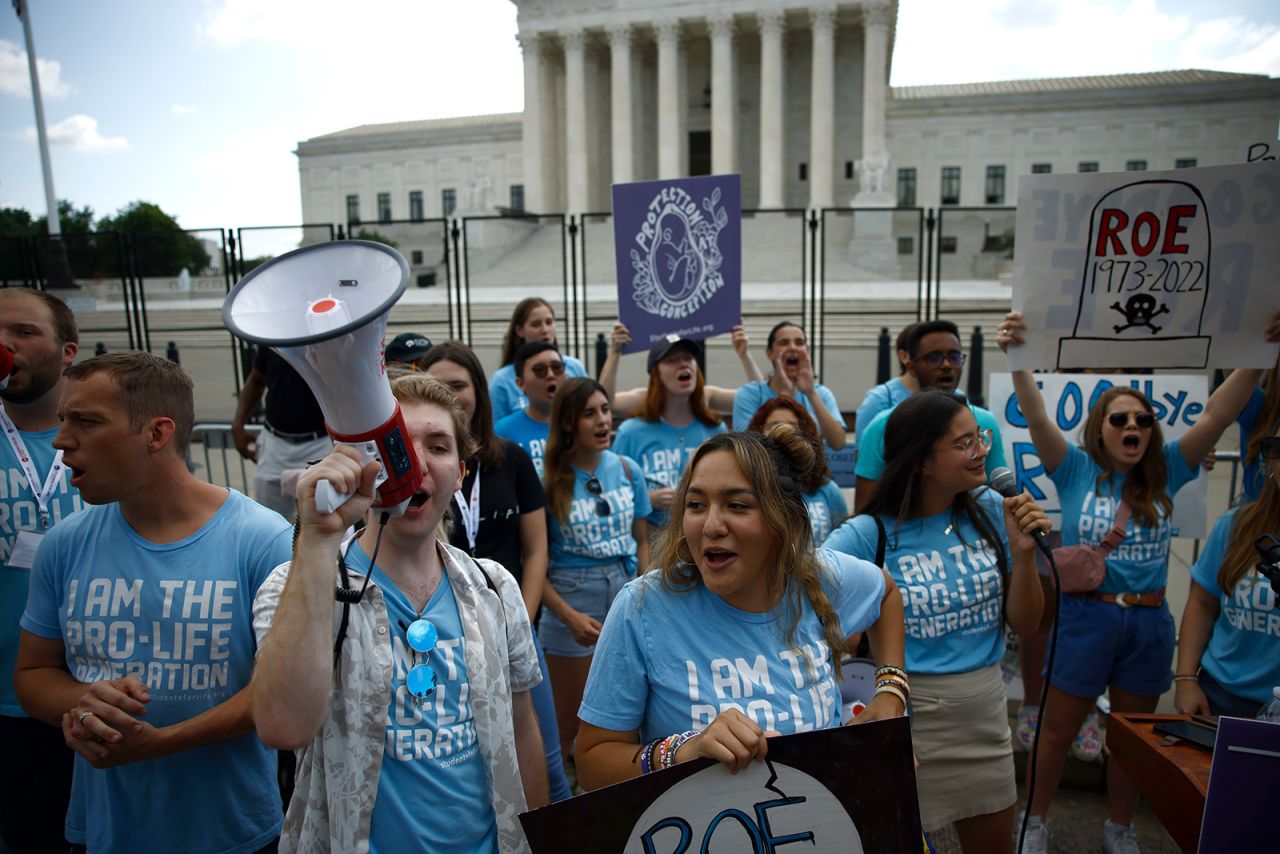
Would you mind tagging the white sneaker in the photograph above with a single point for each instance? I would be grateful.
(1118, 838)
(1037, 839)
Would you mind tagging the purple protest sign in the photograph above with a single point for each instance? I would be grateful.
(679, 246)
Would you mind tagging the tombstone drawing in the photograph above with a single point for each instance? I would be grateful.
(1145, 282)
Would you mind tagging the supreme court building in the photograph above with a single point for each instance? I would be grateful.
(793, 95)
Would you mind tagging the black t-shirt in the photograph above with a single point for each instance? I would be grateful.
(291, 407)
(513, 489)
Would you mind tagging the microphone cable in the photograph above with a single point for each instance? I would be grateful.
(1044, 701)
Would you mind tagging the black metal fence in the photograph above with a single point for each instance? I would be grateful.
(835, 269)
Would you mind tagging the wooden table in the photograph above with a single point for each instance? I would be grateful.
(1173, 779)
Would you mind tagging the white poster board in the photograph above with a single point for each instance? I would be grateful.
(1178, 402)
(1127, 270)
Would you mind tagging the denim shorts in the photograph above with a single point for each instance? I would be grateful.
(587, 589)
(1101, 644)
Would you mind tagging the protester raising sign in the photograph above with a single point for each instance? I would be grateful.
(1152, 270)
(679, 253)
(1178, 402)
(849, 790)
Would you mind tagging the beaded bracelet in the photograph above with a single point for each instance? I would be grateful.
(889, 668)
(891, 689)
(1186, 679)
(677, 741)
(646, 757)
(895, 682)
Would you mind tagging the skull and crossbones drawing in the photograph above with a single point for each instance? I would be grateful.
(1140, 310)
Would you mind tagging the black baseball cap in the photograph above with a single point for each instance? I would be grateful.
(666, 344)
(408, 347)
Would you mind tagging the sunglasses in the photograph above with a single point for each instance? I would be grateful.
(1271, 448)
(422, 637)
(935, 358)
(1144, 420)
(602, 506)
(541, 370)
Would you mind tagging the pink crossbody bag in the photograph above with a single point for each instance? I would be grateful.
(1081, 569)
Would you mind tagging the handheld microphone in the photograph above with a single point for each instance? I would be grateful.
(1003, 482)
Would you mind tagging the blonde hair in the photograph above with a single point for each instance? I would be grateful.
(773, 462)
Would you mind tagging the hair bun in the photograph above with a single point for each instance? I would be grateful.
(796, 449)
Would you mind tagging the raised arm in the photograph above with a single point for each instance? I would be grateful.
(294, 672)
(1045, 435)
(625, 403)
(1220, 412)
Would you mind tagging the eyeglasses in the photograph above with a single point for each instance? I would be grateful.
(1144, 420)
(935, 358)
(1271, 448)
(422, 637)
(970, 444)
(602, 506)
(541, 370)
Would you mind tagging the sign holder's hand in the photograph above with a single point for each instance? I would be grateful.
(732, 739)
(1011, 331)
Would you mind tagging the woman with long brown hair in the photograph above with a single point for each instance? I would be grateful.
(533, 320)
(1229, 640)
(596, 505)
(1118, 638)
(736, 578)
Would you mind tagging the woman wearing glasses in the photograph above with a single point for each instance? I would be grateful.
(1229, 642)
(1120, 637)
(739, 597)
(964, 559)
(533, 320)
(597, 502)
(792, 376)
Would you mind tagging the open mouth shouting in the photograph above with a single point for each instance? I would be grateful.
(1131, 442)
(417, 500)
(716, 558)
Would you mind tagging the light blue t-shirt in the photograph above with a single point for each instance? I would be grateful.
(19, 512)
(748, 398)
(671, 661)
(1253, 471)
(589, 538)
(871, 443)
(505, 397)
(1141, 562)
(662, 450)
(950, 581)
(531, 435)
(826, 507)
(433, 790)
(179, 616)
(1244, 648)
(879, 398)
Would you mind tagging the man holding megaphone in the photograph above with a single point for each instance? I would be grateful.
(414, 717)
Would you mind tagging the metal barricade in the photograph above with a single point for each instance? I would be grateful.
(223, 464)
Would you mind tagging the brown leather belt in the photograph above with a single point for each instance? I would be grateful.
(1153, 599)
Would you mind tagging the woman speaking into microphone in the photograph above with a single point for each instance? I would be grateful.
(964, 560)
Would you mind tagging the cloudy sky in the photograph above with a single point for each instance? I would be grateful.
(197, 105)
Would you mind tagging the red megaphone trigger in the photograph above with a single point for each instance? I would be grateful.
(399, 461)
(6, 366)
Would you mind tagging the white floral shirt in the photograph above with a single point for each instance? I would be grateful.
(337, 776)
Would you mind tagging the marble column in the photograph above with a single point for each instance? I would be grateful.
(772, 139)
(873, 166)
(620, 94)
(535, 114)
(822, 108)
(575, 115)
(669, 100)
(724, 95)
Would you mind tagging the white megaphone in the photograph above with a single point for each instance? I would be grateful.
(324, 309)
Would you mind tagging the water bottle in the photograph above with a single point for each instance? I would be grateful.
(1271, 711)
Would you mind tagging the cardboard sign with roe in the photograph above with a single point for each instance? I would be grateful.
(1178, 269)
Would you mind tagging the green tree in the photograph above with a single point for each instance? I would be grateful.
(77, 236)
(15, 222)
(370, 234)
(160, 246)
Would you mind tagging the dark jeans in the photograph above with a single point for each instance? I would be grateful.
(1223, 702)
(35, 787)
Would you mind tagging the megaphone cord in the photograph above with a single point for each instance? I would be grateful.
(349, 596)
(1044, 700)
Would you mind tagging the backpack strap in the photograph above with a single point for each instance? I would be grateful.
(881, 541)
(1117, 533)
